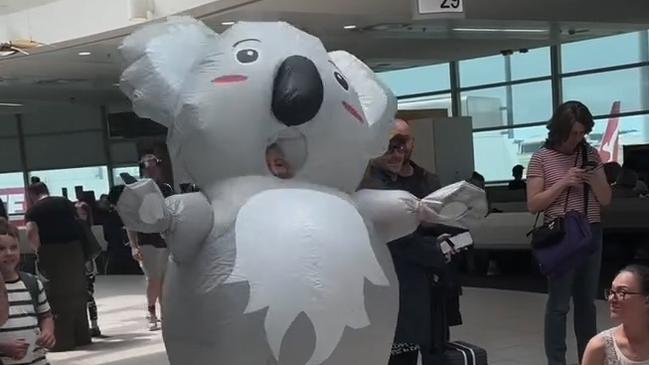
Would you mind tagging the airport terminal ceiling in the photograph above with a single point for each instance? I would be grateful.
(385, 36)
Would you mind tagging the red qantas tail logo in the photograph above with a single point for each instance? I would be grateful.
(609, 149)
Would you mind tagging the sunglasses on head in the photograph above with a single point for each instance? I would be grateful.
(150, 163)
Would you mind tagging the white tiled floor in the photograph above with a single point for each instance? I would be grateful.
(122, 309)
(508, 324)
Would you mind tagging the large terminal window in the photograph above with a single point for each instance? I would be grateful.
(510, 98)
(12, 192)
(94, 178)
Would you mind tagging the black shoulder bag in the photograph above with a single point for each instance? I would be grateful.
(551, 233)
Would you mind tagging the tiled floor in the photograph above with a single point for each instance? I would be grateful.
(508, 324)
(122, 307)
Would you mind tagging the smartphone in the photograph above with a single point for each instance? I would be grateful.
(127, 178)
(456, 243)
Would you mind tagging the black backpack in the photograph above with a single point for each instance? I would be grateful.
(31, 283)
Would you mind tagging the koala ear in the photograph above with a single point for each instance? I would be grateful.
(377, 100)
(158, 58)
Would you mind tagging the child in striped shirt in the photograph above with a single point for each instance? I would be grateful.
(29, 331)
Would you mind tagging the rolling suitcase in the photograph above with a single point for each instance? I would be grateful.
(462, 353)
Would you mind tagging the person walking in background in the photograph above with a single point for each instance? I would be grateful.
(84, 212)
(628, 343)
(3, 210)
(150, 249)
(555, 185)
(53, 231)
(119, 260)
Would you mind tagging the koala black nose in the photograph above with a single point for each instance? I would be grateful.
(297, 91)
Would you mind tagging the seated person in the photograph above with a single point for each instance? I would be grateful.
(626, 185)
(517, 183)
(629, 305)
(477, 179)
(612, 171)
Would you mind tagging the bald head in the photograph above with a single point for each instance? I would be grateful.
(401, 127)
(399, 150)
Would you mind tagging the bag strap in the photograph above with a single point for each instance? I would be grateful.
(536, 221)
(565, 206)
(584, 160)
(31, 283)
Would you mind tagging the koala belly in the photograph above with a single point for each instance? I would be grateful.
(298, 279)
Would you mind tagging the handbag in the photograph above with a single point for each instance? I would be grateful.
(551, 233)
(547, 234)
(576, 243)
(91, 248)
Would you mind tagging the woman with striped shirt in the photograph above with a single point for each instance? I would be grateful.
(555, 176)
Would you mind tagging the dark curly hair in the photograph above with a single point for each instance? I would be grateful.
(564, 118)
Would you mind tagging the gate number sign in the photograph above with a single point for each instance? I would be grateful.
(440, 6)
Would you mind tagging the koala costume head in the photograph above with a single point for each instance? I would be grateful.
(226, 98)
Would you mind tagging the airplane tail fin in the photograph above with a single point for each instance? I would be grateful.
(609, 148)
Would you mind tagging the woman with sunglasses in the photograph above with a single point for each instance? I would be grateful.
(627, 344)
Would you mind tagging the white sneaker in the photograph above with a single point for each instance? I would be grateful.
(154, 324)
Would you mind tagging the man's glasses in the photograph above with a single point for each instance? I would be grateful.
(397, 148)
(619, 294)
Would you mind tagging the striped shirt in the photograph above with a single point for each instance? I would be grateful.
(552, 166)
(23, 322)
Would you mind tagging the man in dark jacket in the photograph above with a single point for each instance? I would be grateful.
(420, 265)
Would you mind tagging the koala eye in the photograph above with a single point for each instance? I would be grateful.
(341, 80)
(248, 55)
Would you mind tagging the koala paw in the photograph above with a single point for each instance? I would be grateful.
(142, 207)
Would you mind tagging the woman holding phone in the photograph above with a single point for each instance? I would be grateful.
(556, 180)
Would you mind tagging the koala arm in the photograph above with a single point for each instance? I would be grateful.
(184, 220)
(397, 213)
(392, 212)
(192, 220)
